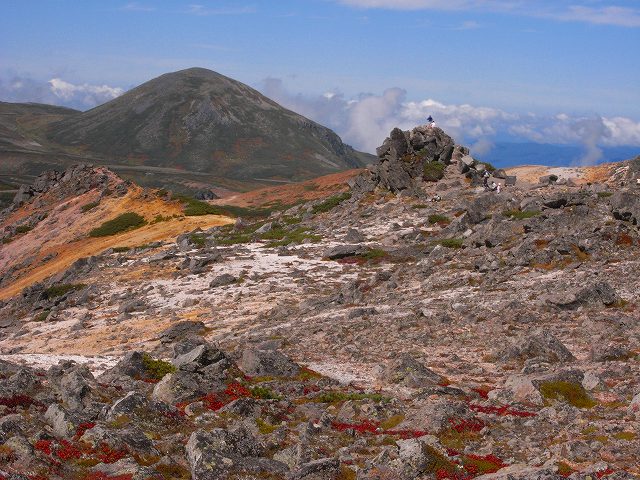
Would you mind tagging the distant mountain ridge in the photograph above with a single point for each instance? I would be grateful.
(195, 121)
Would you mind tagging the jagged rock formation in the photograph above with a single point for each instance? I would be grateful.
(408, 159)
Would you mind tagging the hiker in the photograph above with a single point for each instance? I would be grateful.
(498, 188)
(431, 122)
(493, 186)
(485, 180)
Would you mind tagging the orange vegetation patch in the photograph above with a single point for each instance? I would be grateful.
(64, 235)
(293, 193)
(580, 175)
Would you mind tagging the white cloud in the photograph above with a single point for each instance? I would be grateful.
(88, 95)
(366, 120)
(201, 10)
(562, 10)
(619, 16)
(136, 7)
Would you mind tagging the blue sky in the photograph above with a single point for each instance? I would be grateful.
(551, 71)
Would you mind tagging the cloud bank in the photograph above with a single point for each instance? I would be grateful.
(19, 88)
(366, 120)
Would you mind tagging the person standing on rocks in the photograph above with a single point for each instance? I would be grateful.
(431, 122)
(485, 180)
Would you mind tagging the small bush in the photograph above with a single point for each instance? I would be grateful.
(626, 436)
(572, 393)
(419, 206)
(195, 208)
(122, 223)
(264, 393)
(160, 218)
(156, 369)
(452, 242)
(198, 239)
(521, 215)
(89, 206)
(435, 218)
(23, 229)
(490, 168)
(331, 203)
(42, 316)
(264, 427)
(604, 194)
(433, 171)
(374, 254)
(59, 290)
(121, 249)
(282, 237)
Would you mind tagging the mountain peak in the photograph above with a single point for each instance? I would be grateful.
(199, 120)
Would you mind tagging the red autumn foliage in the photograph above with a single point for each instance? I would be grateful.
(482, 391)
(83, 427)
(15, 401)
(235, 390)
(463, 425)
(43, 446)
(108, 455)
(67, 451)
(368, 426)
(604, 473)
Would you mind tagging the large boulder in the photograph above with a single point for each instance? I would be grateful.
(267, 363)
(409, 372)
(626, 206)
(541, 345)
(219, 453)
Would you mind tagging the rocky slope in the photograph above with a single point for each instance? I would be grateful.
(372, 335)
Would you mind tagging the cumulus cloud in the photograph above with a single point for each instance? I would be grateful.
(364, 121)
(56, 91)
(89, 95)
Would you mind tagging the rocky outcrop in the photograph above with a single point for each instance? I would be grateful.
(75, 181)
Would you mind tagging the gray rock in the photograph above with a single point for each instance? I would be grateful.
(267, 363)
(354, 236)
(321, 469)
(61, 421)
(126, 405)
(625, 206)
(539, 345)
(213, 455)
(343, 251)
(200, 356)
(182, 330)
(600, 293)
(222, 280)
(411, 373)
